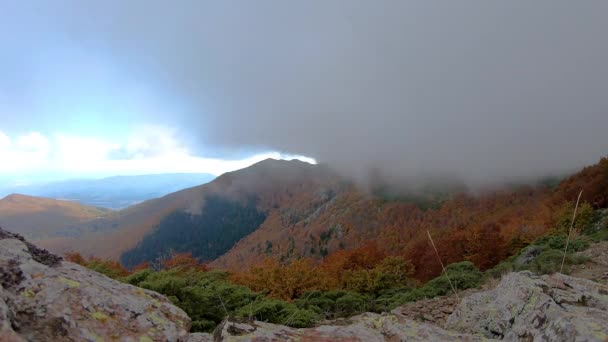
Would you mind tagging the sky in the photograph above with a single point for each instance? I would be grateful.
(483, 91)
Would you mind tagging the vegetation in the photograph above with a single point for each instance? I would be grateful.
(207, 236)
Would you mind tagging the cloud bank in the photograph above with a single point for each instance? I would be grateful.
(147, 150)
(482, 91)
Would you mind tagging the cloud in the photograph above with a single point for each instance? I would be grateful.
(481, 91)
(33, 142)
(5, 141)
(147, 150)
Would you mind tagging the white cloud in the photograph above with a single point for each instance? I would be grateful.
(33, 142)
(5, 141)
(147, 150)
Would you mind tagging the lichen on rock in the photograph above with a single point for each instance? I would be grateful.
(45, 299)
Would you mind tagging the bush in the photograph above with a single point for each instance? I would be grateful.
(559, 242)
(278, 312)
(335, 303)
(137, 277)
(550, 261)
(464, 275)
(499, 270)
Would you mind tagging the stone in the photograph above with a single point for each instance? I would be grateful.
(525, 306)
(45, 299)
(366, 327)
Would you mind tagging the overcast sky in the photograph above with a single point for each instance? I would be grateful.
(487, 91)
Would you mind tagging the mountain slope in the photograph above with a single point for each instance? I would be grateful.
(114, 192)
(42, 218)
(263, 186)
(484, 228)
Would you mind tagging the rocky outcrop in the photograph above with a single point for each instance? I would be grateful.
(366, 327)
(432, 311)
(525, 306)
(45, 299)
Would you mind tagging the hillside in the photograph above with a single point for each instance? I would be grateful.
(484, 228)
(289, 210)
(261, 188)
(42, 218)
(116, 192)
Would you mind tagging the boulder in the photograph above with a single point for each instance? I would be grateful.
(525, 306)
(43, 298)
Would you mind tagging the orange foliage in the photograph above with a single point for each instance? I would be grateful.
(283, 281)
(142, 266)
(75, 257)
(185, 261)
(336, 264)
(111, 268)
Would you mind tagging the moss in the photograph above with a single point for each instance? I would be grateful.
(28, 293)
(157, 320)
(69, 282)
(145, 338)
(100, 316)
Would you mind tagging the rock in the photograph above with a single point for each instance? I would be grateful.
(45, 299)
(200, 337)
(528, 254)
(366, 327)
(525, 306)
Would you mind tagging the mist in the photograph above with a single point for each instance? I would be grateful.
(484, 92)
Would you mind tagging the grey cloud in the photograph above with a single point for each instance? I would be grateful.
(485, 91)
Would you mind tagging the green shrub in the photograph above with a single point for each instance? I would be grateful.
(550, 261)
(335, 303)
(137, 277)
(278, 312)
(499, 270)
(559, 242)
(463, 275)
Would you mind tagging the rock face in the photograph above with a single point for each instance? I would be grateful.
(540, 308)
(366, 327)
(45, 299)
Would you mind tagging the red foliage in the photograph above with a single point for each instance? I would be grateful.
(75, 257)
(142, 266)
(185, 261)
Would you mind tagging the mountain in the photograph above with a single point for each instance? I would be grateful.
(116, 192)
(290, 209)
(43, 218)
(209, 218)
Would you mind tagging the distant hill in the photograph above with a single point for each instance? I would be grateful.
(42, 218)
(113, 192)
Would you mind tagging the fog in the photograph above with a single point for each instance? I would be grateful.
(483, 91)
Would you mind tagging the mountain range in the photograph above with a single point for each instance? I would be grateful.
(116, 192)
(290, 209)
